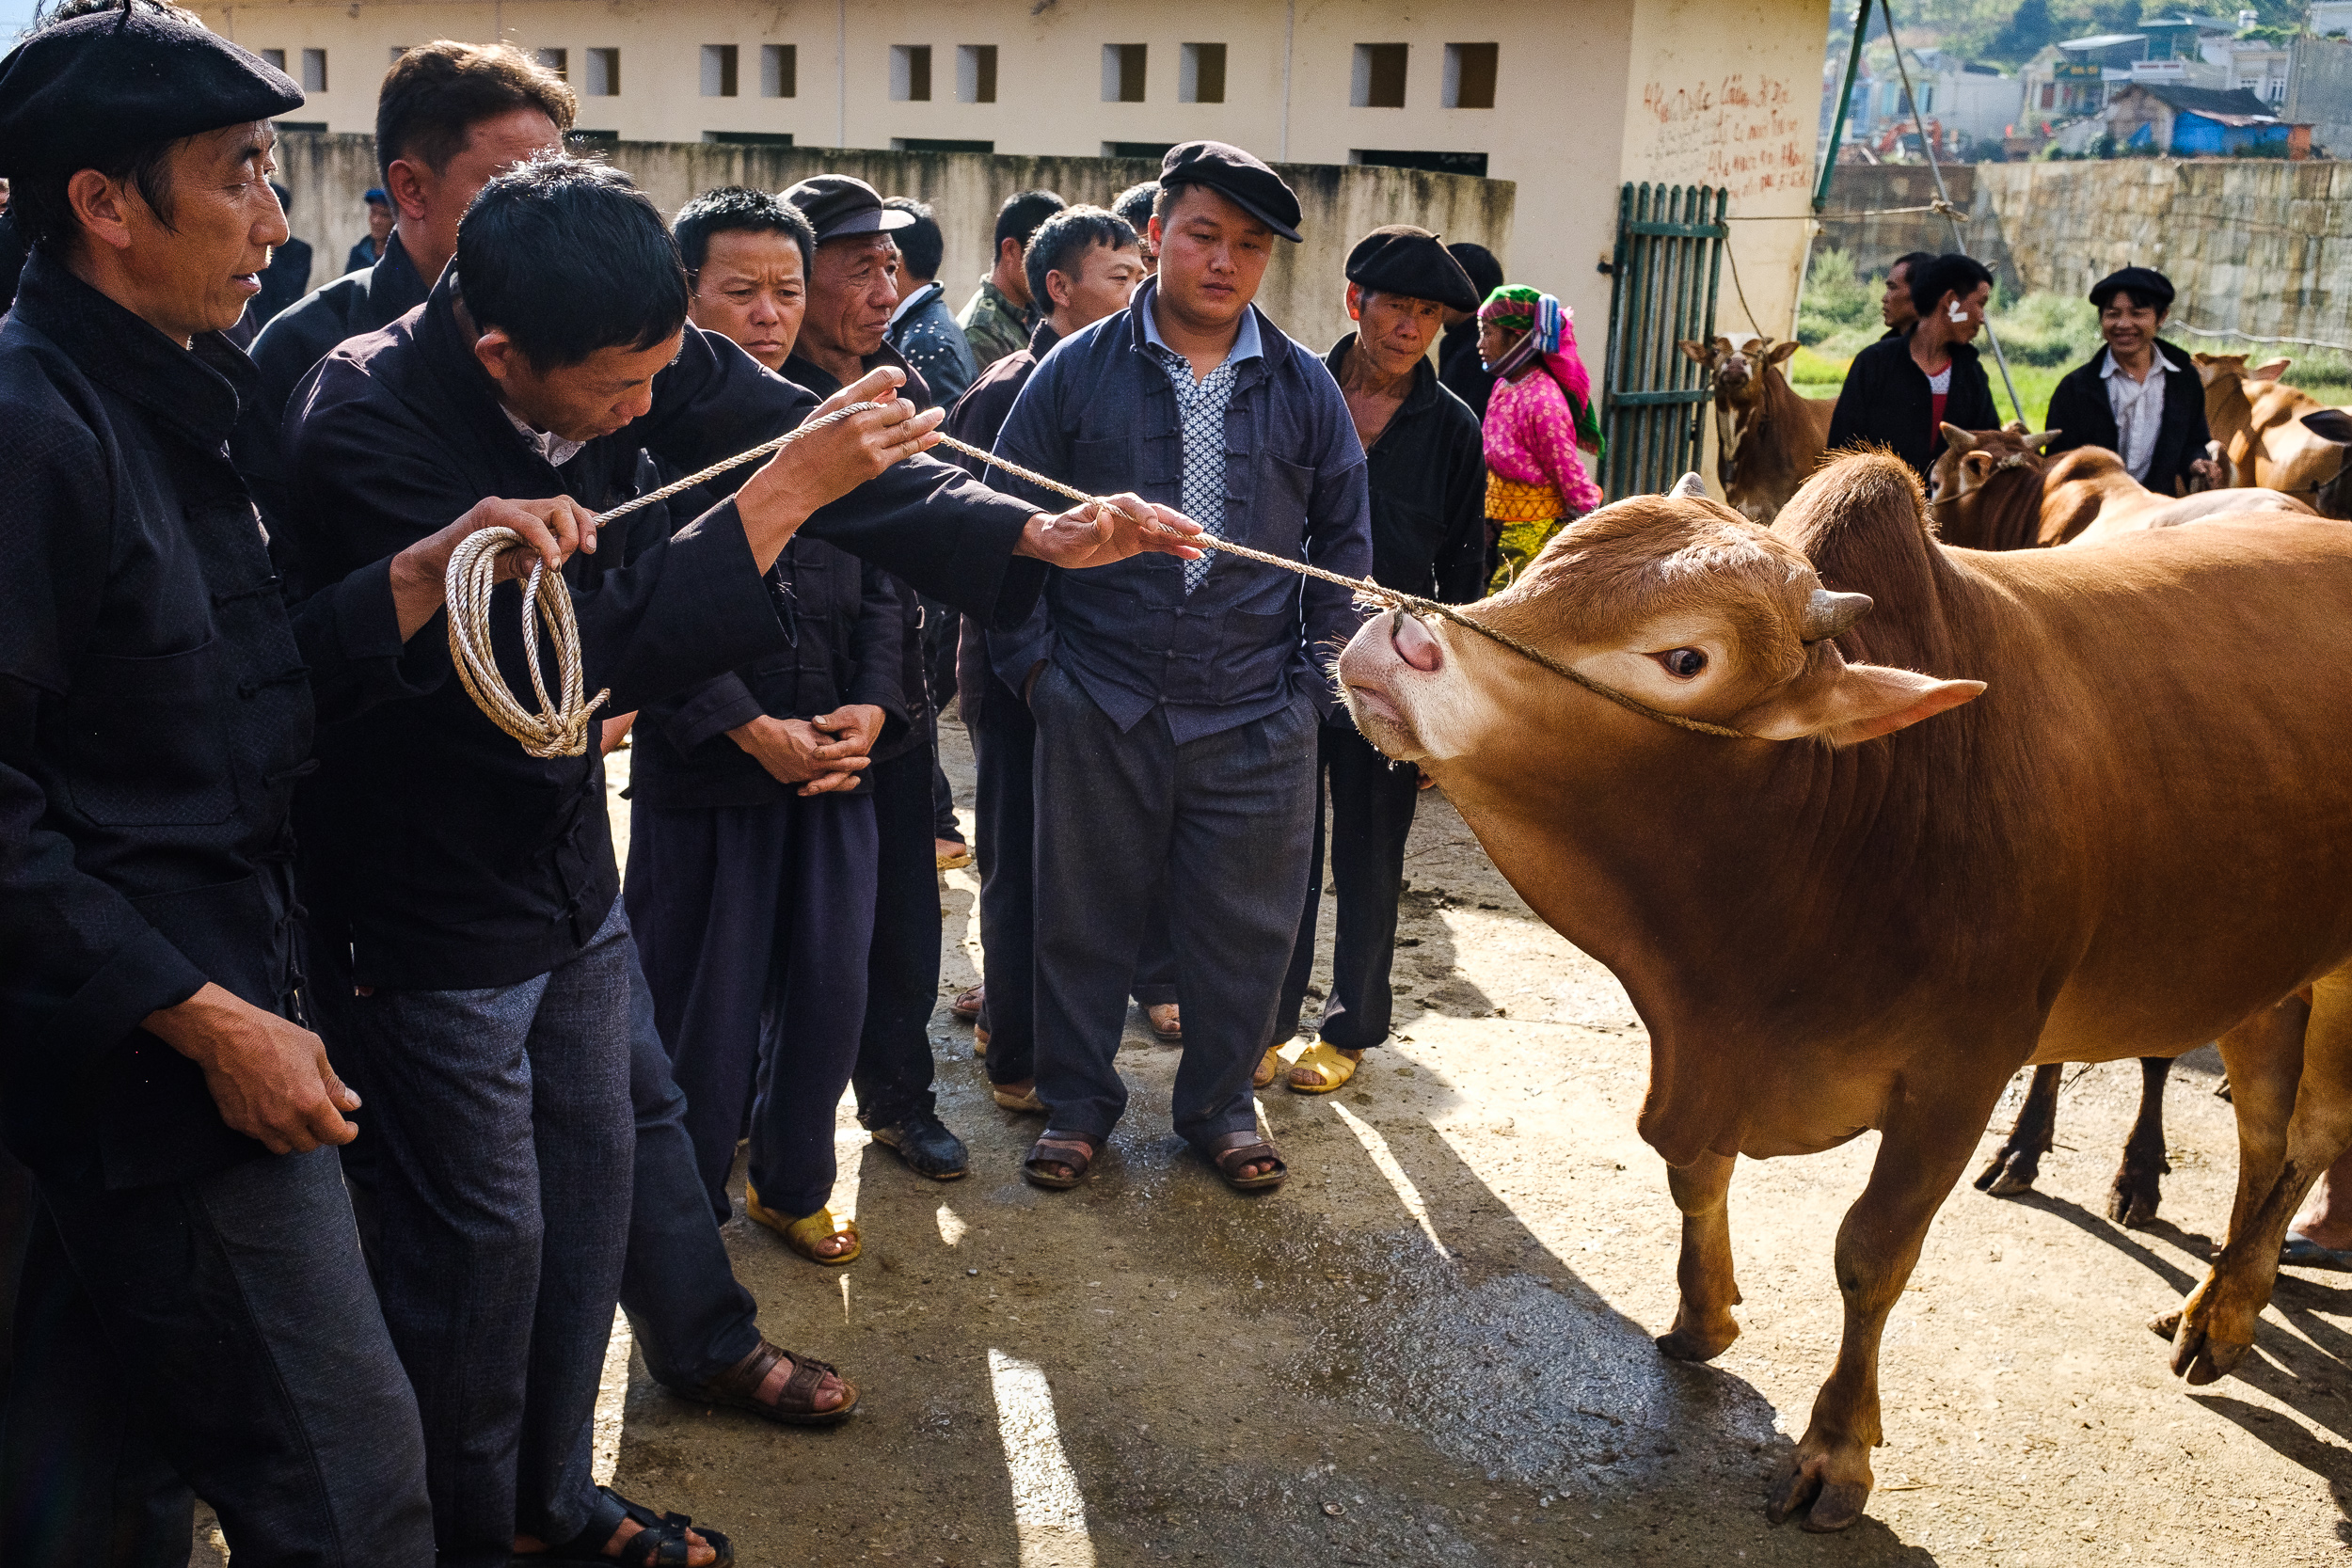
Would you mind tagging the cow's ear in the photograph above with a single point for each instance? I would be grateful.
(1696, 352)
(1781, 352)
(1861, 702)
(2269, 370)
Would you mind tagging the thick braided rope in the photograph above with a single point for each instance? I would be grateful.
(563, 730)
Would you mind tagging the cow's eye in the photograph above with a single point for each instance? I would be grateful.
(1682, 663)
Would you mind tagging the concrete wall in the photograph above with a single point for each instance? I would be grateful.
(2253, 245)
(1305, 291)
(1868, 217)
(2319, 92)
(1589, 93)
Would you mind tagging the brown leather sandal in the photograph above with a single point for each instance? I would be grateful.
(1236, 1150)
(738, 1388)
(1072, 1150)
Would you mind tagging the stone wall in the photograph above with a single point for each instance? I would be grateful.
(2255, 246)
(1304, 291)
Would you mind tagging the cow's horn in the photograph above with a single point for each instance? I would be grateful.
(1827, 614)
(1959, 439)
(1690, 488)
(2041, 438)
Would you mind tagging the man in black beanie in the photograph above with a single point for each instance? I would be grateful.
(1426, 465)
(2139, 397)
(193, 1277)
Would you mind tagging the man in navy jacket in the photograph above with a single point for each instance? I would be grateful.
(1177, 702)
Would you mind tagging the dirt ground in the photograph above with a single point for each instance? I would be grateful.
(1432, 1346)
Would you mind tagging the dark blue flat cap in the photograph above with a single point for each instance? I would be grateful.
(2149, 286)
(84, 92)
(1237, 175)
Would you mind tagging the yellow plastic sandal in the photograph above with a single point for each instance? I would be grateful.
(1320, 1069)
(1269, 1067)
(801, 1235)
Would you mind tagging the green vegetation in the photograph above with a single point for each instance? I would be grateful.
(2043, 335)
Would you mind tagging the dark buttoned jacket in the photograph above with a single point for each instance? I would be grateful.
(1428, 476)
(446, 856)
(157, 700)
(2083, 416)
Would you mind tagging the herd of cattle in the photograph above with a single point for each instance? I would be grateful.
(1842, 903)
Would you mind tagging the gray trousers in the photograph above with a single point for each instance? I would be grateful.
(1224, 824)
(214, 1336)
(495, 1202)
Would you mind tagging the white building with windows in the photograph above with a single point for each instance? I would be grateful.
(1570, 101)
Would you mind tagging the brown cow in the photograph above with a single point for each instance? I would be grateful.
(1766, 439)
(1994, 489)
(2258, 419)
(1859, 911)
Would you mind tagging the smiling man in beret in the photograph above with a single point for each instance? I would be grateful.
(1177, 703)
(2139, 397)
(1428, 473)
(193, 1277)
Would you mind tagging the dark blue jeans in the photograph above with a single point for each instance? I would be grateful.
(753, 922)
(496, 1204)
(1224, 823)
(215, 1335)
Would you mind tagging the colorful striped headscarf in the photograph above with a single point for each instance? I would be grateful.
(1551, 329)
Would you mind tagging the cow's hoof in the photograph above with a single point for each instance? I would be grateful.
(2009, 1171)
(2164, 1325)
(2199, 1358)
(1682, 1344)
(1801, 1488)
(2133, 1202)
(1840, 1504)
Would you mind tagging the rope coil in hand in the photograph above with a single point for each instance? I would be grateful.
(561, 728)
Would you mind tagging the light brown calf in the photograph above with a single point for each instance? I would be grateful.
(2258, 419)
(1996, 489)
(1767, 437)
(1863, 911)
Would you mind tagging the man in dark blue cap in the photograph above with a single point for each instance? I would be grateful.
(368, 248)
(2139, 397)
(192, 1279)
(1427, 466)
(1177, 708)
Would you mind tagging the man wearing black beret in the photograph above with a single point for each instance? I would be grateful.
(2140, 397)
(205, 1324)
(1426, 465)
(1177, 702)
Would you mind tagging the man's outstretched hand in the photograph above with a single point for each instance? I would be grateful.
(1097, 533)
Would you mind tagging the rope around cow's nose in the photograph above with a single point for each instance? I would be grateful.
(560, 728)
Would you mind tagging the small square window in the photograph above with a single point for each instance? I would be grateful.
(557, 61)
(1469, 75)
(975, 74)
(1379, 78)
(604, 74)
(779, 70)
(910, 72)
(718, 71)
(1200, 74)
(274, 58)
(1123, 72)
(314, 71)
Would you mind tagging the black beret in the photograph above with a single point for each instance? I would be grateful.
(839, 204)
(2146, 284)
(1237, 175)
(87, 91)
(1399, 259)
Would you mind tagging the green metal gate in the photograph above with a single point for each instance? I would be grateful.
(1670, 250)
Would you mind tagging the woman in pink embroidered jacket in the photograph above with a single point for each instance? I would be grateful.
(1540, 415)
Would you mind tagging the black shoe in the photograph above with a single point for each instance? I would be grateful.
(925, 1144)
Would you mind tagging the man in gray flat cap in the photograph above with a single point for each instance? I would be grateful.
(193, 1277)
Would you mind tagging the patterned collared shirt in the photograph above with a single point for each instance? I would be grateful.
(1200, 406)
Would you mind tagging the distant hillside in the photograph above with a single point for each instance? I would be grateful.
(2011, 32)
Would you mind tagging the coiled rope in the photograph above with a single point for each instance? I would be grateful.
(560, 726)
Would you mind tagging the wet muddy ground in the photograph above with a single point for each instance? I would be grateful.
(1432, 1346)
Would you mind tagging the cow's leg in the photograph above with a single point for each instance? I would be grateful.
(2015, 1163)
(2217, 1323)
(1925, 1148)
(2138, 1181)
(1704, 1327)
